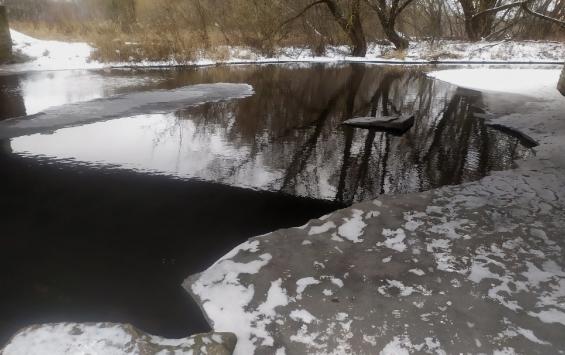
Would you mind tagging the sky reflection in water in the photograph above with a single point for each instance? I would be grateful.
(288, 136)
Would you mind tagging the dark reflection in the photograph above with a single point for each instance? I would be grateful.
(11, 100)
(293, 124)
(288, 136)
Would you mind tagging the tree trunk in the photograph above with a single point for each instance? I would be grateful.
(351, 25)
(5, 38)
(468, 12)
(477, 28)
(387, 15)
(398, 41)
(357, 37)
(561, 84)
(472, 30)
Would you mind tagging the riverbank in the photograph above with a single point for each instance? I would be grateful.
(57, 55)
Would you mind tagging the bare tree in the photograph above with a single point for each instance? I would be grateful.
(347, 14)
(525, 6)
(481, 15)
(388, 12)
(123, 12)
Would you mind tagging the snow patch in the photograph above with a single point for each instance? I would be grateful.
(539, 83)
(225, 299)
(303, 283)
(395, 239)
(52, 55)
(302, 315)
(321, 229)
(276, 297)
(353, 227)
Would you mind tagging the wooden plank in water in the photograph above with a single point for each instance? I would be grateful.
(399, 123)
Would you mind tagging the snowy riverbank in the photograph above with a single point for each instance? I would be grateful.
(55, 55)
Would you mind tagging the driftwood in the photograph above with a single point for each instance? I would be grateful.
(395, 124)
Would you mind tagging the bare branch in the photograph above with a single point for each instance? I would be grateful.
(404, 6)
(497, 9)
(293, 18)
(542, 16)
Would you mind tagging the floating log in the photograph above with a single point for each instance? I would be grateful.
(396, 124)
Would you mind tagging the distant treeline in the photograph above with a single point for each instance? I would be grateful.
(180, 28)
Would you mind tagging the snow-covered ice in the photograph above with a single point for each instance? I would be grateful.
(125, 105)
(539, 83)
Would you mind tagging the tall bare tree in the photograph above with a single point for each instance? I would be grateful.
(388, 12)
(481, 15)
(347, 14)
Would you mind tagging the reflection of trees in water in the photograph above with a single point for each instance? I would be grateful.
(292, 127)
(11, 100)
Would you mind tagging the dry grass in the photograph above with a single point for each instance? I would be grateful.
(112, 45)
(396, 54)
(162, 42)
(71, 32)
(441, 54)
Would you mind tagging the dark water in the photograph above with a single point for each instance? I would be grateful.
(102, 221)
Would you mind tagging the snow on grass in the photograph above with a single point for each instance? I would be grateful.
(522, 51)
(56, 55)
(540, 83)
(52, 55)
